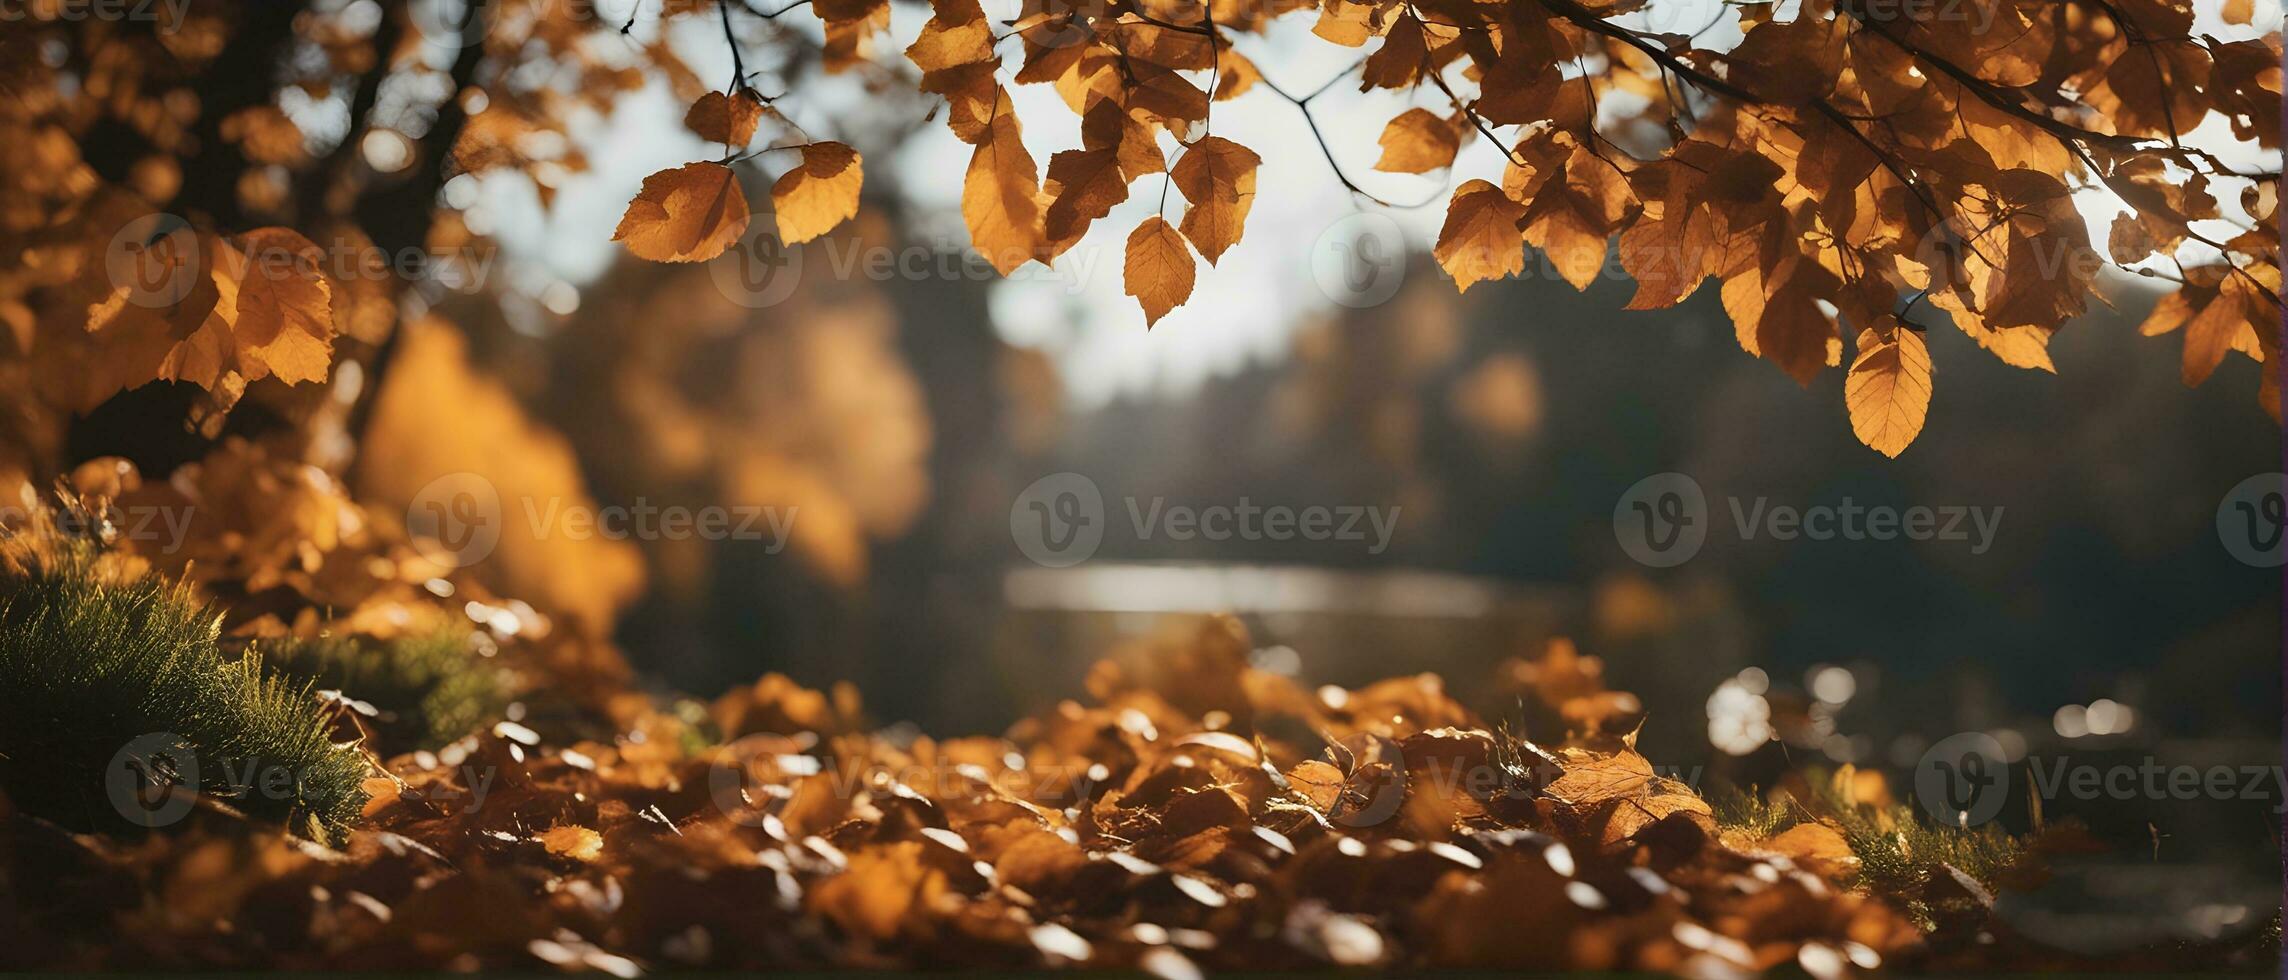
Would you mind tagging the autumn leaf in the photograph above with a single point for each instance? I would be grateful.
(1480, 239)
(729, 119)
(998, 197)
(955, 54)
(1814, 845)
(955, 35)
(1419, 141)
(1777, 316)
(1888, 389)
(2129, 241)
(1398, 62)
(849, 23)
(573, 841)
(1350, 23)
(1571, 215)
(257, 308)
(1165, 96)
(819, 193)
(277, 306)
(1088, 184)
(1159, 269)
(688, 214)
(1218, 177)
(2218, 309)
(1107, 126)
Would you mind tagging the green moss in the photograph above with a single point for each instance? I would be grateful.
(113, 688)
(430, 688)
(1899, 851)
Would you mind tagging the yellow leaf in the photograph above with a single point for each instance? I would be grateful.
(1159, 268)
(1480, 240)
(1218, 177)
(1888, 391)
(689, 214)
(819, 193)
(1419, 141)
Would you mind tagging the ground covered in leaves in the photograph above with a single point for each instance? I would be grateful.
(1192, 813)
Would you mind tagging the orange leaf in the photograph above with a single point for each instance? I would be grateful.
(818, 194)
(689, 214)
(279, 308)
(1419, 141)
(727, 119)
(1480, 240)
(1088, 183)
(1159, 269)
(1218, 177)
(1888, 391)
(998, 198)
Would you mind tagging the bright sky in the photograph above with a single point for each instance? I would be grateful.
(1244, 310)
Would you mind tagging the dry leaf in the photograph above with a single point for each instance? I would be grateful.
(729, 119)
(1218, 177)
(819, 193)
(1888, 390)
(1480, 239)
(999, 196)
(688, 214)
(1419, 141)
(1159, 269)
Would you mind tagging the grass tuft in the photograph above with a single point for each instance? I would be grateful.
(113, 689)
(430, 688)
